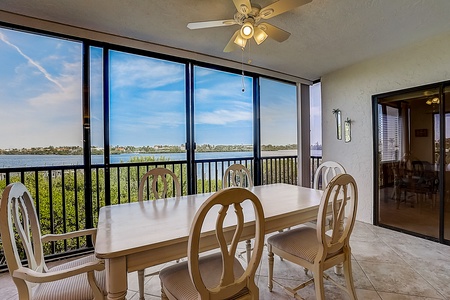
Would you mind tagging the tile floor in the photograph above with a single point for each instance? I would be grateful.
(386, 265)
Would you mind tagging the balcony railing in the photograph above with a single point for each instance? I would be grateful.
(59, 191)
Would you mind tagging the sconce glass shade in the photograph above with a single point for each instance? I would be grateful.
(259, 35)
(240, 41)
(247, 30)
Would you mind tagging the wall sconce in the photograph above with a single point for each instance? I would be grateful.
(347, 130)
(337, 114)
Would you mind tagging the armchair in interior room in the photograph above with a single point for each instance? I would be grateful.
(161, 183)
(415, 180)
(81, 278)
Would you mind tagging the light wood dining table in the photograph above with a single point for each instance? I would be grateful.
(134, 236)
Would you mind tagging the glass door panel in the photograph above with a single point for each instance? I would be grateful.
(408, 155)
(446, 203)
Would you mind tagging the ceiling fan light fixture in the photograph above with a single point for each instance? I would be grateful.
(259, 35)
(240, 41)
(247, 30)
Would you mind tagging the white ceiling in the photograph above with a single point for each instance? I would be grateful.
(326, 35)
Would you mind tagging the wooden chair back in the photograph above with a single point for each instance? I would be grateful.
(161, 183)
(229, 285)
(237, 175)
(325, 172)
(341, 195)
(18, 217)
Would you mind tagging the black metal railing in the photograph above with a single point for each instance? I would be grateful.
(59, 191)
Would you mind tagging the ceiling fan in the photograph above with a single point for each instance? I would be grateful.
(248, 16)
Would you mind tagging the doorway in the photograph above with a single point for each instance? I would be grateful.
(412, 182)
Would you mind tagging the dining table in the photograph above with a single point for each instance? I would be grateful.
(134, 236)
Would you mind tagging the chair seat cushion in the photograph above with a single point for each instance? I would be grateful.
(177, 281)
(72, 288)
(300, 242)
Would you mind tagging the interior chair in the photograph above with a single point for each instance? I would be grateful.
(238, 175)
(219, 275)
(82, 278)
(161, 182)
(325, 172)
(316, 249)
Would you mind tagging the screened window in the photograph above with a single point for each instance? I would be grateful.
(96, 103)
(278, 118)
(223, 114)
(40, 100)
(147, 108)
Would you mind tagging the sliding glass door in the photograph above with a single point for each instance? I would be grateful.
(412, 135)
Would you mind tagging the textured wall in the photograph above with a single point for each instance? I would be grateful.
(351, 90)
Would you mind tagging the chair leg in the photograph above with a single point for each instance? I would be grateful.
(318, 283)
(270, 275)
(349, 279)
(248, 248)
(141, 284)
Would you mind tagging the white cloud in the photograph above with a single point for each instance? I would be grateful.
(223, 117)
(144, 72)
(31, 61)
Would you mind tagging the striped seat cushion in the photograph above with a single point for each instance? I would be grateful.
(177, 281)
(300, 242)
(72, 288)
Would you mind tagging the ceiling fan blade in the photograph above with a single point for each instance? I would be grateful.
(280, 7)
(231, 46)
(209, 24)
(243, 6)
(274, 32)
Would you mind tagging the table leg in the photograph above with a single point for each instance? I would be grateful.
(339, 267)
(116, 278)
(248, 249)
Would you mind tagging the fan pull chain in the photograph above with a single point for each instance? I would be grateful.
(242, 67)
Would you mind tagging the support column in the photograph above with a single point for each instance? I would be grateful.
(303, 135)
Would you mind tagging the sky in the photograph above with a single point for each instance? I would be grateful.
(41, 86)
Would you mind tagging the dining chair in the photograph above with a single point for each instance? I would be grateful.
(80, 279)
(315, 248)
(161, 183)
(325, 172)
(238, 175)
(219, 275)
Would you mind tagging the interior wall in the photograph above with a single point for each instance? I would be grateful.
(422, 118)
(351, 90)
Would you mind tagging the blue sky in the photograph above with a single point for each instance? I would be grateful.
(40, 96)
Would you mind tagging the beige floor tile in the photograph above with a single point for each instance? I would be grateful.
(397, 278)
(391, 296)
